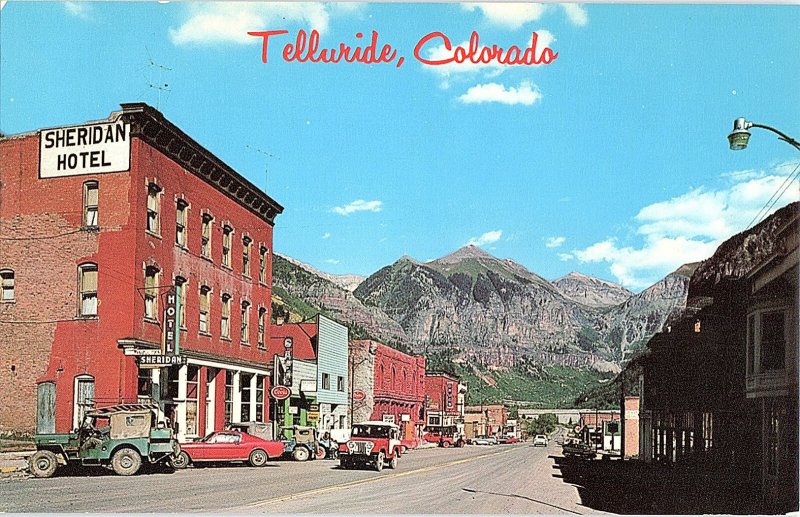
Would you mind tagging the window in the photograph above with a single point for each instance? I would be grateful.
(247, 244)
(246, 394)
(205, 302)
(153, 200)
(144, 388)
(326, 381)
(90, 214)
(180, 287)
(83, 398)
(259, 398)
(7, 283)
(87, 282)
(228, 395)
(192, 383)
(225, 323)
(262, 316)
(227, 231)
(151, 292)
(180, 222)
(262, 264)
(773, 341)
(205, 241)
(339, 383)
(245, 322)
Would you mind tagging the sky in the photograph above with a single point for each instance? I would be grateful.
(610, 160)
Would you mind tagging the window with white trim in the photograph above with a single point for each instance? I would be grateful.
(181, 224)
(153, 208)
(151, 292)
(245, 322)
(205, 240)
(227, 233)
(225, 317)
(205, 304)
(7, 285)
(90, 202)
(87, 282)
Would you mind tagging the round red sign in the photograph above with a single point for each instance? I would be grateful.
(358, 395)
(280, 392)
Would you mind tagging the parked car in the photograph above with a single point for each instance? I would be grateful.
(228, 446)
(508, 439)
(302, 443)
(371, 443)
(540, 440)
(446, 436)
(483, 440)
(578, 449)
(121, 437)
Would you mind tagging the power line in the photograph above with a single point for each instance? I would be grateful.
(762, 213)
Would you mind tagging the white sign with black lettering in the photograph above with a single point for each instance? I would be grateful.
(87, 149)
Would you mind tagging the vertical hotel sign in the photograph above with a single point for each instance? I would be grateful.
(86, 149)
(170, 337)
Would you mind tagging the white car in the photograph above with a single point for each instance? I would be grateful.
(483, 440)
(540, 440)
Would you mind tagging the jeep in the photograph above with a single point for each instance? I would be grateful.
(118, 437)
(371, 443)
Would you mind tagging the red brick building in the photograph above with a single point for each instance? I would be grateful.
(486, 420)
(444, 401)
(392, 384)
(97, 223)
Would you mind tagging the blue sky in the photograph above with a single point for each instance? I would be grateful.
(612, 160)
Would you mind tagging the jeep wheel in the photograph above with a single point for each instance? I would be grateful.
(181, 461)
(403, 449)
(345, 463)
(300, 454)
(320, 454)
(392, 462)
(126, 462)
(43, 464)
(379, 461)
(258, 458)
(445, 444)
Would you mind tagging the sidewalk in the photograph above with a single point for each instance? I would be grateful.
(14, 463)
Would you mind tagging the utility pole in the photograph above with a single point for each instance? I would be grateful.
(622, 415)
(159, 85)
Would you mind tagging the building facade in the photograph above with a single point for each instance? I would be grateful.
(444, 396)
(388, 385)
(135, 265)
(486, 420)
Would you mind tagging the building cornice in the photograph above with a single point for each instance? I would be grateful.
(154, 129)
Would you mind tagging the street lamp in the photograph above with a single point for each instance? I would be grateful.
(740, 135)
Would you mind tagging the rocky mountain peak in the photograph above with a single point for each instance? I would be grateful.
(467, 252)
(591, 291)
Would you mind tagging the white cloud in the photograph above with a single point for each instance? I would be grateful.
(486, 238)
(526, 94)
(229, 22)
(332, 261)
(79, 9)
(326, 235)
(688, 228)
(555, 242)
(359, 205)
(509, 15)
(576, 14)
(564, 257)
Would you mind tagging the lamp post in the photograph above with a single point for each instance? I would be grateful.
(740, 136)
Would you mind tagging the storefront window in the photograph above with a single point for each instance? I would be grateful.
(228, 395)
(192, 378)
(244, 383)
(145, 383)
(172, 382)
(259, 398)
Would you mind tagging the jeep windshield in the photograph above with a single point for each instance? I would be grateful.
(371, 431)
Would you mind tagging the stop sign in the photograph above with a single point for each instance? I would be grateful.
(280, 392)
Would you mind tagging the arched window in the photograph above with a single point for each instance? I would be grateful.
(83, 398)
(87, 285)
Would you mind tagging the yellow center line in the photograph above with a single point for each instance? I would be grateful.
(358, 482)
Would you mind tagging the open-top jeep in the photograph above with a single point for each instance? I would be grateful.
(371, 443)
(120, 437)
(301, 443)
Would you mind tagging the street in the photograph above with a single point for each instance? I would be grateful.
(519, 479)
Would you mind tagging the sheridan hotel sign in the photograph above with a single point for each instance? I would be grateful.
(85, 149)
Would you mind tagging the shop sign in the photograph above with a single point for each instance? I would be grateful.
(170, 337)
(359, 395)
(158, 361)
(405, 417)
(85, 149)
(388, 419)
(280, 392)
(312, 415)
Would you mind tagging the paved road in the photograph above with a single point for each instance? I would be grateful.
(476, 479)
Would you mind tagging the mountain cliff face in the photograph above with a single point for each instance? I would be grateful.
(591, 291)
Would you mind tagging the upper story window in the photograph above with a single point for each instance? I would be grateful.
(766, 341)
(245, 322)
(225, 319)
(326, 381)
(205, 240)
(7, 285)
(87, 282)
(262, 264)
(153, 209)
(90, 200)
(181, 224)
(205, 303)
(247, 244)
(227, 234)
(262, 318)
(151, 274)
(339, 383)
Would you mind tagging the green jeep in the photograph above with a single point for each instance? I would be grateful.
(120, 437)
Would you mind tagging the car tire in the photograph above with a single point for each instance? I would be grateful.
(345, 463)
(300, 454)
(320, 453)
(258, 458)
(403, 449)
(379, 460)
(181, 461)
(126, 462)
(445, 444)
(43, 464)
(392, 462)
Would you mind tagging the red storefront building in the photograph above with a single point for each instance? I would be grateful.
(388, 385)
(98, 223)
(444, 401)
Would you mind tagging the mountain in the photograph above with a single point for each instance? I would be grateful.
(492, 312)
(591, 291)
(346, 282)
